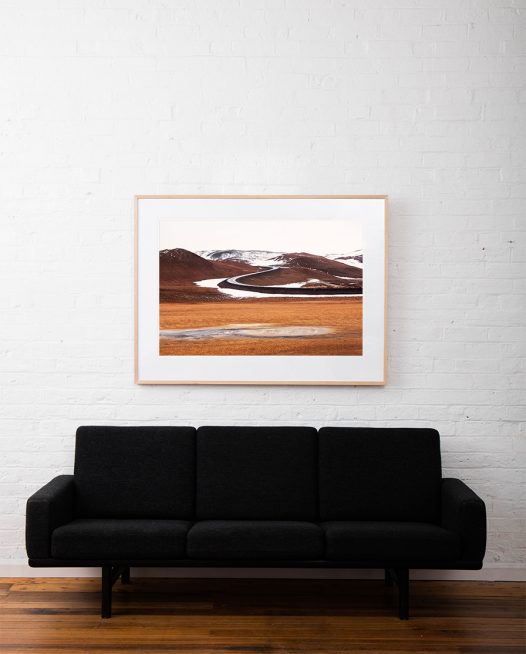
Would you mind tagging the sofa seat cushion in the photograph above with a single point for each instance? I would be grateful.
(108, 538)
(255, 539)
(389, 541)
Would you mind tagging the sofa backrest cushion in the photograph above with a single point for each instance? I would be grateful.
(256, 473)
(379, 474)
(135, 472)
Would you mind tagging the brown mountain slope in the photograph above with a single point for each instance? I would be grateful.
(178, 266)
(316, 262)
(286, 275)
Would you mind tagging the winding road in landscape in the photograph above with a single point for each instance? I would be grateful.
(235, 283)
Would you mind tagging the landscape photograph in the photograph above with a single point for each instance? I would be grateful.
(224, 292)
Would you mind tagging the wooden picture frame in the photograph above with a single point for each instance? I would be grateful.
(227, 291)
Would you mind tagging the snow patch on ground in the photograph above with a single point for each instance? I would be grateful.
(250, 330)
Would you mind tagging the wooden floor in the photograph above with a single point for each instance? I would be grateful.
(260, 616)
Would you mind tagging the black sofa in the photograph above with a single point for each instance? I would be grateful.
(256, 497)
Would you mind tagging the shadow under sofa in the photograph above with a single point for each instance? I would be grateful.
(278, 497)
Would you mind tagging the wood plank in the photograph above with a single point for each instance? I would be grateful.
(260, 616)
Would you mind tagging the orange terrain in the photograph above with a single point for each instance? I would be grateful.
(342, 316)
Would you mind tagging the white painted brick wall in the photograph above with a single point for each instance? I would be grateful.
(423, 100)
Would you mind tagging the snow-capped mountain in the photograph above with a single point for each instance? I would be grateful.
(354, 258)
(269, 258)
(253, 257)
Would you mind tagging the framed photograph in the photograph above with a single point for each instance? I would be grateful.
(269, 289)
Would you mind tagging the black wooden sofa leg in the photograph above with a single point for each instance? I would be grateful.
(107, 583)
(125, 575)
(402, 575)
(110, 574)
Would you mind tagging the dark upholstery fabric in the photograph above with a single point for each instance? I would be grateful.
(389, 541)
(253, 539)
(465, 513)
(120, 539)
(49, 507)
(135, 472)
(379, 474)
(256, 473)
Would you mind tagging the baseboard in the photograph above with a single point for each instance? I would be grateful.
(500, 573)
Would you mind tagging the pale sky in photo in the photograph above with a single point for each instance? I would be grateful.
(313, 236)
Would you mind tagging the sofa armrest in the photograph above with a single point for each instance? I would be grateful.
(464, 513)
(47, 509)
